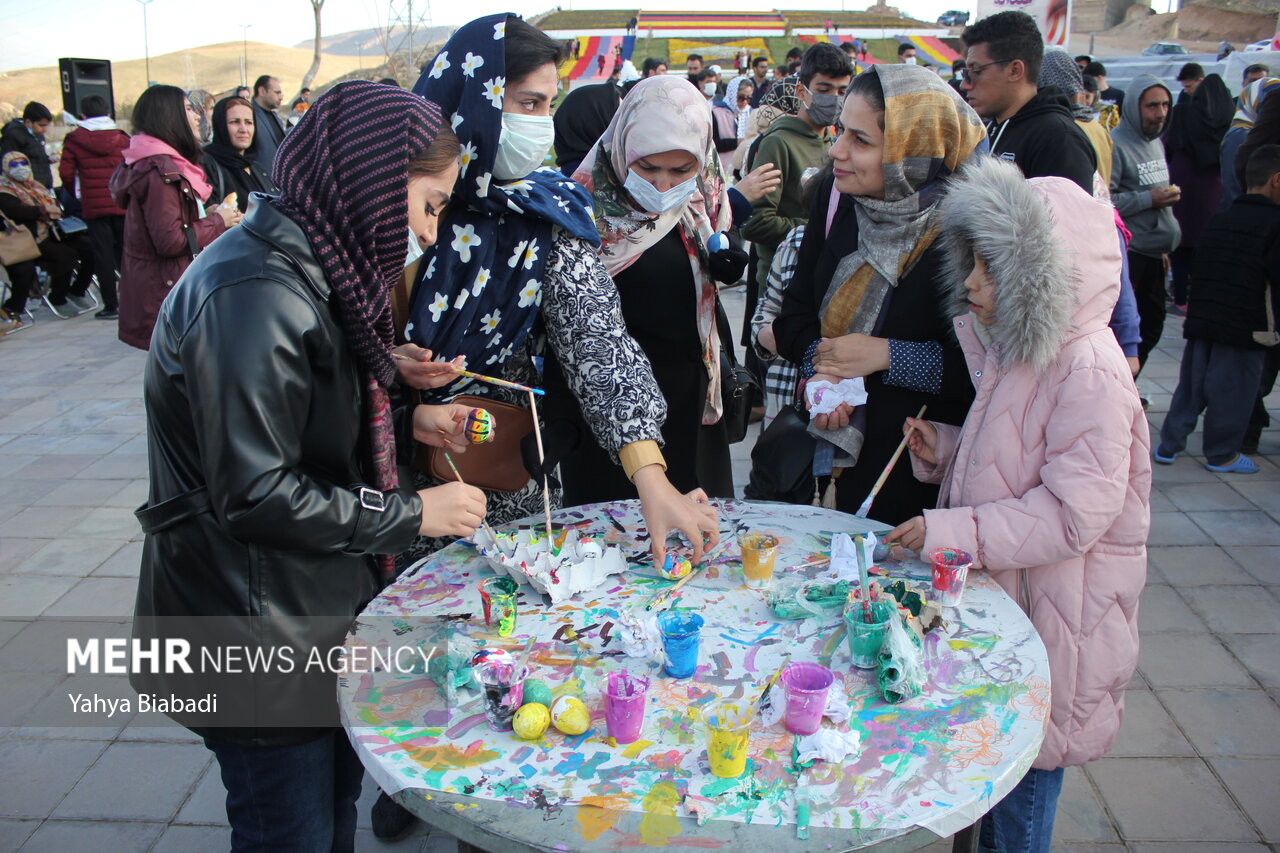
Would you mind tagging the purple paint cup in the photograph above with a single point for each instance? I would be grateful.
(624, 699)
(806, 686)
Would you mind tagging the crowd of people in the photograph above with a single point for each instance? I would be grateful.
(994, 249)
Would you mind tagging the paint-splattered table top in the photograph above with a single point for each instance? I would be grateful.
(936, 762)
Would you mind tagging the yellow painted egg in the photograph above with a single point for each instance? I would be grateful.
(531, 720)
(570, 715)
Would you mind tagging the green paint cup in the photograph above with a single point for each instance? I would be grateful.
(866, 638)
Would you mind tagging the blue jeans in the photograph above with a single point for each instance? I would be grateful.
(291, 799)
(1023, 821)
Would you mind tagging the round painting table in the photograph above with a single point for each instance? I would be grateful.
(924, 768)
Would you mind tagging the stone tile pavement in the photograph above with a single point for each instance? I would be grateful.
(1196, 767)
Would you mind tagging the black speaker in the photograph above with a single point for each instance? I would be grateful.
(82, 78)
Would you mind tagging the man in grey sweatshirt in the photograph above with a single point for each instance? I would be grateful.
(1141, 192)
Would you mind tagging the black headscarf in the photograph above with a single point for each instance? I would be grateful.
(221, 148)
(1198, 125)
(242, 174)
(580, 120)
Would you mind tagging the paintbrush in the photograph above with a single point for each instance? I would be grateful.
(764, 694)
(884, 475)
(501, 383)
(456, 473)
(542, 462)
(863, 578)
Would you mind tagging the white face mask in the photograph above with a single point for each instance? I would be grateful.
(652, 199)
(522, 145)
(709, 89)
(21, 174)
(910, 60)
(415, 249)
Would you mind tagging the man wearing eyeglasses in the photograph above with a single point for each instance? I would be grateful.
(1033, 129)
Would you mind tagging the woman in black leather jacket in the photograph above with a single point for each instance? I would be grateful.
(272, 451)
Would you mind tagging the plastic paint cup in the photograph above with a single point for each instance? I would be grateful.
(759, 551)
(950, 569)
(866, 638)
(624, 699)
(806, 686)
(503, 693)
(498, 595)
(728, 734)
(681, 635)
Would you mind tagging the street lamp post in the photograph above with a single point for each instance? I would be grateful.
(244, 44)
(146, 48)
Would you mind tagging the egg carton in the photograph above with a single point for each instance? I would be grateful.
(526, 556)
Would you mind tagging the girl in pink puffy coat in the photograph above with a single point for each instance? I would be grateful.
(1047, 481)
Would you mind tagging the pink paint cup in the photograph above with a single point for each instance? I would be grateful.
(624, 699)
(950, 569)
(806, 686)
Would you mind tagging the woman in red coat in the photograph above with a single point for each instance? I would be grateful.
(163, 191)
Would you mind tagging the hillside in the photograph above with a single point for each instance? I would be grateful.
(215, 67)
(368, 43)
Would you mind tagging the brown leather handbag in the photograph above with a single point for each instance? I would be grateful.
(16, 243)
(495, 465)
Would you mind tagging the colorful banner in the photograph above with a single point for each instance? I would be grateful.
(679, 49)
(1053, 17)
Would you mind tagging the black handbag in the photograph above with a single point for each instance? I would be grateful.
(738, 385)
(782, 460)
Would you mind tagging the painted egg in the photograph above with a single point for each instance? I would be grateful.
(537, 691)
(674, 568)
(490, 655)
(479, 426)
(531, 720)
(570, 715)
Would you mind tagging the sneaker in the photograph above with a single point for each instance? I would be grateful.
(1178, 310)
(1240, 465)
(107, 314)
(1163, 458)
(65, 311)
(83, 302)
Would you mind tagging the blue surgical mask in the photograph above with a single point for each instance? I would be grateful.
(652, 199)
(522, 145)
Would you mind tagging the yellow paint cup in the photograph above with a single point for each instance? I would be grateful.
(758, 553)
(728, 734)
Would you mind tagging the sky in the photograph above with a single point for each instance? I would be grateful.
(37, 32)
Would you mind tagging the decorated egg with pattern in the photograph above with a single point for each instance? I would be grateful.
(570, 715)
(479, 426)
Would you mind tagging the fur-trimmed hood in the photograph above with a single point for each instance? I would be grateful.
(1051, 250)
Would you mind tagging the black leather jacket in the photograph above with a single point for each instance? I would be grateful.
(252, 392)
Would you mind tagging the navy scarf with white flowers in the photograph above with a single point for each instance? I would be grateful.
(479, 288)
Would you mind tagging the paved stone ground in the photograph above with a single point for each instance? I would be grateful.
(1196, 767)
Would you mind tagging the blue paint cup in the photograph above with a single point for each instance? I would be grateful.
(681, 635)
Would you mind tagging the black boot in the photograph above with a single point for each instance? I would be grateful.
(390, 819)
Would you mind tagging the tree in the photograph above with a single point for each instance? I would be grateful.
(316, 6)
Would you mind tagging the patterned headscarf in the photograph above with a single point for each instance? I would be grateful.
(198, 98)
(731, 99)
(1060, 70)
(30, 192)
(343, 178)
(1251, 101)
(929, 133)
(662, 114)
(479, 288)
(780, 100)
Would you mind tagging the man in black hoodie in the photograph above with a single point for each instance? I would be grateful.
(1033, 129)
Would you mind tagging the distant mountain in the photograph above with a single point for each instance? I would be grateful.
(369, 42)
